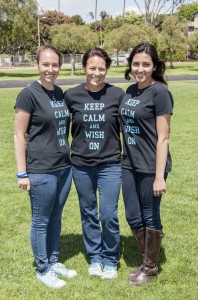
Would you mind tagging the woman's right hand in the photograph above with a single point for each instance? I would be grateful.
(24, 184)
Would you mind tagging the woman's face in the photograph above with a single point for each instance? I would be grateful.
(48, 67)
(142, 68)
(95, 71)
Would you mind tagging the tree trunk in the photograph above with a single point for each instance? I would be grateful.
(171, 57)
(72, 61)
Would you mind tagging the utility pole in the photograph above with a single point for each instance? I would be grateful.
(58, 5)
(123, 14)
(38, 29)
(96, 10)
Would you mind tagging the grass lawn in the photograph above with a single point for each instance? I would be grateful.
(181, 68)
(178, 278)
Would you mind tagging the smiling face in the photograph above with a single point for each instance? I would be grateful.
(95, 71)
(142, 68)
(49, 67)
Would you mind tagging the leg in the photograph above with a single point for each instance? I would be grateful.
(86, 185)
(130, 190)
(139, 235)
(153, 233)
(109, 182)
(133, 212)
(150, 204)
(42, 196)
(149, 269)
(64, 178)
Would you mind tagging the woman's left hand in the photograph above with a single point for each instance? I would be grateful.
(159, 187)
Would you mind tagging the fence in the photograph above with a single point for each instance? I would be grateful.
(19, 61)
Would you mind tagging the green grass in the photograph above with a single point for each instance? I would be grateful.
(178, 278)
(181, 68)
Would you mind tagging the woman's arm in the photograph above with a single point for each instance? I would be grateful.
(163, 130)
(20, 128)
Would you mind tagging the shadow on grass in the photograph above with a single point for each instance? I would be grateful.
(131, 253)
(15, 75)
(70, 246)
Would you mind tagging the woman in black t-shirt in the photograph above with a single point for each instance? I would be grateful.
(96, 165)
(44, 168)
(145, 114)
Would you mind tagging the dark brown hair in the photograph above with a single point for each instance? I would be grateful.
(96, 52)
(158, 73)
(52, 48)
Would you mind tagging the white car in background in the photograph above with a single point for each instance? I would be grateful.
(122, 59)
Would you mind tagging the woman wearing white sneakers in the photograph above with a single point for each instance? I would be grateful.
(96, 162)
(44, 168)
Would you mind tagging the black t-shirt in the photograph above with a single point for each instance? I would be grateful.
(48, 148)
(138, 112)
(95, 125)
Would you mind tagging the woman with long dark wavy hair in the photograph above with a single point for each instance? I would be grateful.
(145, 114)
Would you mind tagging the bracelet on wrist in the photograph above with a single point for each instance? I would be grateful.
(22, 175)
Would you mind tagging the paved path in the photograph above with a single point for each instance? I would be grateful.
(68, 81)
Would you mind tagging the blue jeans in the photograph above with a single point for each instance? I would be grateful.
(48, 194)
(99, 219)
(142, 208)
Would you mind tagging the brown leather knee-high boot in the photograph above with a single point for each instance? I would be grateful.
(149, 268)
(139, 235)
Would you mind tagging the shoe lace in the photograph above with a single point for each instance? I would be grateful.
(52, 273)
(109, 268)
(95, 265)
(60, 266)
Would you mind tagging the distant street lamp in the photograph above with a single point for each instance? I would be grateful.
(38, 27)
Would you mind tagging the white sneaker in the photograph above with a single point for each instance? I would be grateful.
(60, 269)
(95, 269)
(50, 280)
(109, 272)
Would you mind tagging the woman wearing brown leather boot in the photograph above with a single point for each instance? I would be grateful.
(139, 235)
(145, 114)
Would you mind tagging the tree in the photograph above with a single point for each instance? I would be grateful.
(49, 19)
(73, 39)
(104, 15)
(128, 36)
(91, 15)
(173, 37)
(186, 11)
(77, 19)
(133, 18)
(18, 26)
(193, 43)
(153, 8)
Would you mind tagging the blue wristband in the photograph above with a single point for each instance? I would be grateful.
(21, 175)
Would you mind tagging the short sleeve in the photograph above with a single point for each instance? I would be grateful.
(163, 102)
(121, 96)
(66, 98)
(25, 101)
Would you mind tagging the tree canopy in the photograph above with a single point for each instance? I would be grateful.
(73, 38)
(186, 11)
(173, 37)
(128, 36)
(17, 32)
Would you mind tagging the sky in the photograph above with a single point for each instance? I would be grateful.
(83, 7)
